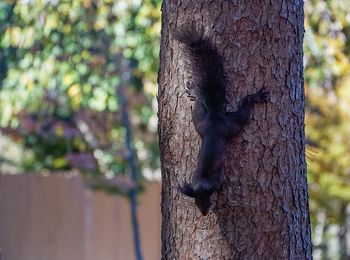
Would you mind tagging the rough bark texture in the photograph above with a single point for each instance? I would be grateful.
(261, 211)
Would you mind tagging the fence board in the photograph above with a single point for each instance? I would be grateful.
(55, 218)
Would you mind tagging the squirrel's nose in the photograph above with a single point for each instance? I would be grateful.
(204, 211)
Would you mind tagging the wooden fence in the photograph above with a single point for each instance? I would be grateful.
(56, 218)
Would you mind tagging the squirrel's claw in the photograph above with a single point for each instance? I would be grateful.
(190, 91)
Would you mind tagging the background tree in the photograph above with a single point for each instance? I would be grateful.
(262, 210)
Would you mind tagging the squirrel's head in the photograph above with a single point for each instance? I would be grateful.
(201, 195)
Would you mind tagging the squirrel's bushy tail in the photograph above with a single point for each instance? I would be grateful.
(206, 67)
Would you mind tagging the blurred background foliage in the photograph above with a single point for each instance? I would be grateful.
(327, 90)
(59, 109)
(60, 70)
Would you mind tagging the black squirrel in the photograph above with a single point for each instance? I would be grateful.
(213, 123)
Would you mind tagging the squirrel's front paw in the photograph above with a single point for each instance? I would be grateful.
(261, 96)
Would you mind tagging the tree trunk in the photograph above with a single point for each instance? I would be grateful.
(261, 212)
(344, 233)
(318, 239)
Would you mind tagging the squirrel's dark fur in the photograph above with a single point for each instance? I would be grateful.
(213, 123)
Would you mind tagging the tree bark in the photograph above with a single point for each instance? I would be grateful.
(261, 212)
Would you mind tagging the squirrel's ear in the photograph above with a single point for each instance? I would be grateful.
(187, 190)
